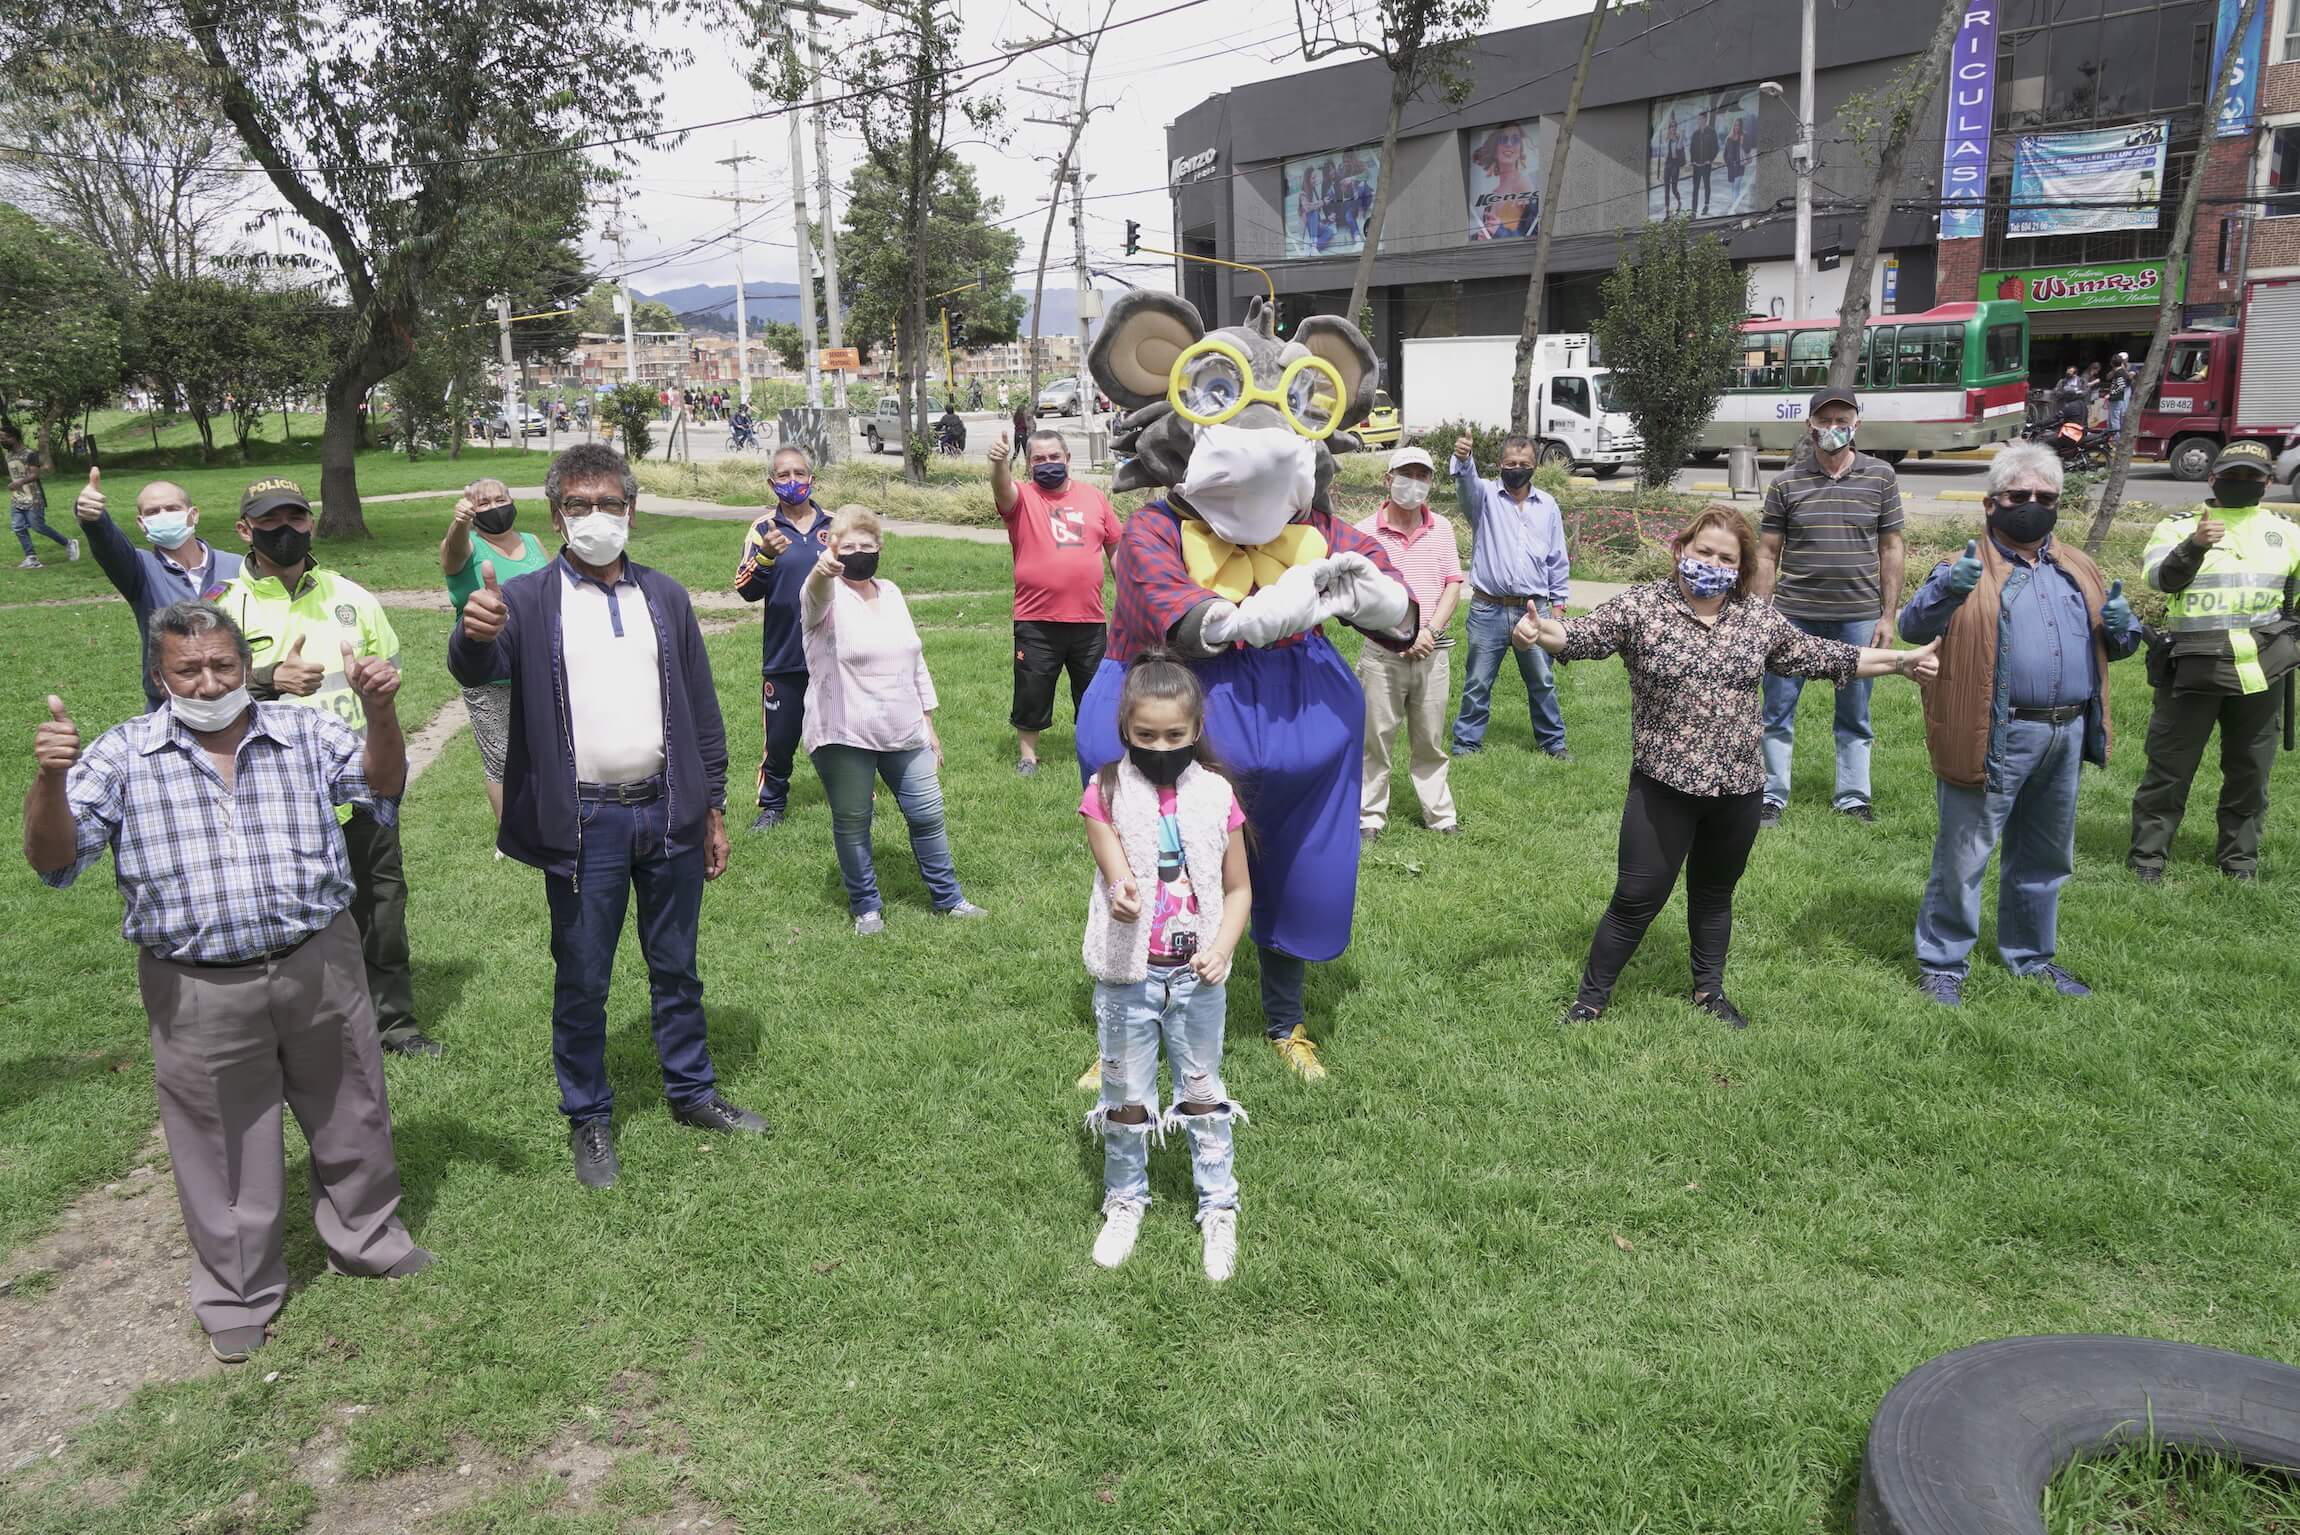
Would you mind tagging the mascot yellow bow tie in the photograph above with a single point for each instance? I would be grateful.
(1229, 570)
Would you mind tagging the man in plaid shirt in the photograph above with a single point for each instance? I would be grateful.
(221, 820)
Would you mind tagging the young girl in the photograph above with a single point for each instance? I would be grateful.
(1170, 903)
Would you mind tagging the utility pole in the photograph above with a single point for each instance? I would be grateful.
(1086, 305)
(623, 296)
(1802, 162)
(735, 163)
(806, 247)
(1066, 173)
(823, 200)
(510, 373)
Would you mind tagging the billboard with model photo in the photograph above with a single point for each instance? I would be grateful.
(1701, 158)
(1328, 199)
(1504, 202)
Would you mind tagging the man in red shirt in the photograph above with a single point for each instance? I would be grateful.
(1061, 529)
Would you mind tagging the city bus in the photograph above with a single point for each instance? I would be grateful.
(1952, 377)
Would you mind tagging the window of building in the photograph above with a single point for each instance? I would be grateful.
(2283, 179)
(2007, 349)
(2292, 36)
(1809, 358)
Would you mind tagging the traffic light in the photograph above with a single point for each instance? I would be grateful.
(1133, 238)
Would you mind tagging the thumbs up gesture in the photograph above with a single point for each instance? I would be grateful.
(1463, 447)
(90, 505)
(484, 611)
(1965, 574)
(2210, 530)
(1922, 664)
(374, 679)
(56, 744)
(1126, 901)
(1536, 628)
(294, 676)
(1001, 451)
(2116, 613)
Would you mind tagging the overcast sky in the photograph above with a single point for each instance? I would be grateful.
(1146, 74)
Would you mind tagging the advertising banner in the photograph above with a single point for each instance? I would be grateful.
(1328, 199)
(2109, 285)
(1972, 99)
(2084, 183)
(1701, 154)
(1504, 202)
(2244, 91)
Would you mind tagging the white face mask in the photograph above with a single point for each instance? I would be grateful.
(1409, 493)
(209, 714)
(598, 538)
(1249, 484)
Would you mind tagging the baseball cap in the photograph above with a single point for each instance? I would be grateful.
(2250, 456)
(1405, 456)
(266, 496)
(1830, 394)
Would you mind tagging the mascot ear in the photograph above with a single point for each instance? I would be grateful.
(1140, 337)
(1339, 342)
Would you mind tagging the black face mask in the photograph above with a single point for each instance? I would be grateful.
(2238, 490)
(1162, 765)
(1516, 476)
(860, 565)
(496, 519)
(283, 546)
(2023, 524)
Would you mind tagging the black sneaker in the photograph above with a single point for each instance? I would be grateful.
(2148, 873)
(413, 1042)
(769, 818)
(593, 1142)
(1769, 817)
(1718, 1008)
(716, 1113)
(1858, 810)
(1559, 755)
(1582, 1012)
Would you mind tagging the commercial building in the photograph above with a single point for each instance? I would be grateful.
(1280, 174)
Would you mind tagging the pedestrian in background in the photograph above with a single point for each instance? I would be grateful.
(217, 810)
(178, 565)
(1831, 562)
(486, 506)
(1517, 557)
(765, 576)
(1412, 687)
(1063, 532)
(2119, 389)
(28, 499)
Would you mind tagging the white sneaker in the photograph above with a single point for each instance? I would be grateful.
(1221, 1231)
(1120, 1227)
(31, 562)
(71, 550)
(870, 922)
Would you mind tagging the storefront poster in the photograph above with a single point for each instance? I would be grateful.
(2084, 183)
(1972, 100)
(1701, 155)
(1328, 199)
(2111, 285)
(1504, 203)
(2244, 91)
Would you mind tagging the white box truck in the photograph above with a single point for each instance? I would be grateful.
(1467, 378)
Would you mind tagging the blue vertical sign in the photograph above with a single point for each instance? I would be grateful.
(2244, 91)
(1972, 106)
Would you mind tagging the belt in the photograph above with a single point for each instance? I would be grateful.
(1509, 602)
(265, 958)
(2059, 714)
(645, 792)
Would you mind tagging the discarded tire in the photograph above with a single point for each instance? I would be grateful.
(1964, 1444)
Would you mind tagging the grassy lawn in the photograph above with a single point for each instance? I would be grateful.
(2162, 1492)
(1648, 1276)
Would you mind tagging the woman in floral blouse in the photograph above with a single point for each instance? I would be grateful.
(1698, 647)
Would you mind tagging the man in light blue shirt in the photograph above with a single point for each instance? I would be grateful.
(1518, 557)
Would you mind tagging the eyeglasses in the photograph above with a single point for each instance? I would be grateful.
(614, 506)
(2044, 498)
(1212, 381)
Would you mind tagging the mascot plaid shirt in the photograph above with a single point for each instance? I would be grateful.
(1155, 589)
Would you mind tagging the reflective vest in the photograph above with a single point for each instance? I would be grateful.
(2241, 586)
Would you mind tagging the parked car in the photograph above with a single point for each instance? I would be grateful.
(885, 426)
(1381, 428)
(531, 424)
(2288, 467)
(1059, 398)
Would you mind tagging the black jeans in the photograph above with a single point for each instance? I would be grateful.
(379, 908)
(1042, 653)
(1664, 830)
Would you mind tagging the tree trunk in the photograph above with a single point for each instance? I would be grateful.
(1529, 329)
(2168, 307)
(340, 515)
(207, 429)
(1853, 313)
(1400, 88)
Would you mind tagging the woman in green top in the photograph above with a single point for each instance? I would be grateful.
(486, 509)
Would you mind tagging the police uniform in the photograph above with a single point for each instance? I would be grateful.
(2231, 639)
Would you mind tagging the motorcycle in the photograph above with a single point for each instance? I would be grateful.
(2079, 446)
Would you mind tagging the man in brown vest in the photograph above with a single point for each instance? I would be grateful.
(2021, 702)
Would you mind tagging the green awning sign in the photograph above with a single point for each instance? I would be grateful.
(2116, 285)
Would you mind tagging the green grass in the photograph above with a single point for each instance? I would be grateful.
(2169, 1492)
(1648, 1276)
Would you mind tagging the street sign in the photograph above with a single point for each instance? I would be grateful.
(841, 359)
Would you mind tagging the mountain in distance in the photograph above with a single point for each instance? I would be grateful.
(711, 306)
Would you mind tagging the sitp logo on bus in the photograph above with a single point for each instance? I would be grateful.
(2052, 287)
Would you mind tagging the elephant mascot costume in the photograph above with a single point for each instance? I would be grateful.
(1236, 571)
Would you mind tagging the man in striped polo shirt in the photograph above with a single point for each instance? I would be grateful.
(1412, 686)
(1831, 563)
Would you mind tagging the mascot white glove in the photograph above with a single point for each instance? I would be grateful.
(1353, 589)
(1269, 615)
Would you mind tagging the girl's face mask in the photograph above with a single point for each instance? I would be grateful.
(1249, 484)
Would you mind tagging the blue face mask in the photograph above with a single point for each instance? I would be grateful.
(167, 529)
(1703, 579)
(794, 492)
(1050, 476)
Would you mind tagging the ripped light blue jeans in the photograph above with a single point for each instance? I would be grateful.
(1171, 1005)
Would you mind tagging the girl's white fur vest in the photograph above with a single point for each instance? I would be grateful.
(1119, 952)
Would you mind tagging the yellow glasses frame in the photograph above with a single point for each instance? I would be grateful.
(1251, 392)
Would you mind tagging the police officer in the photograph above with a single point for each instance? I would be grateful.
(2228, 572)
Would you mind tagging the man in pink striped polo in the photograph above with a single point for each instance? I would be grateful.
(1415, 685)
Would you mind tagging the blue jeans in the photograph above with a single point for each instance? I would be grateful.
(846, 772)
(1489, 626)
(622, 849)
(2116, 415)
(1170, 1005)
(1853, 733)
(23, 520)
(2034, 810)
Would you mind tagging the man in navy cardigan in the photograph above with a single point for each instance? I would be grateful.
(616, 779)
(179, 566)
